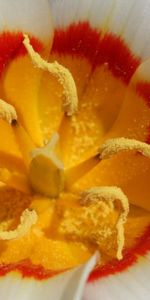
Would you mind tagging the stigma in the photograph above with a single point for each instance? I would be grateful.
(46, 170)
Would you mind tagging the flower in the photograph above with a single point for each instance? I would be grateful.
(100, 49)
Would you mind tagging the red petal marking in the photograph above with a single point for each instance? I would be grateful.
(78, 39)
(11, 46)
(113, 267)
(121, 61)
(143, 89)
(82, 40)
(27, 269)
(148, 137)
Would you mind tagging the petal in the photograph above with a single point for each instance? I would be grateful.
(101, 53)
(71, 285)
(99, 91)
(21, 80)
(125, 169)
(96, 12)
(132, 284)
(98, 108)
(127, 19)
(20, 83)
(10, 155)
(50, 106)
(50, 95)
(134, 117)
(26, 16)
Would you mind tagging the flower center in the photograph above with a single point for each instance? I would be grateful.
(95, 216)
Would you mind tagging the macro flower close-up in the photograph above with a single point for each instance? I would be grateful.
(74, 149)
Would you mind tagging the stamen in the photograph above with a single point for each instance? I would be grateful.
(7, 112)
(70, 99)
(15, 180)
(113, 146)
(73, 174)
(112, 194)
(27, 220)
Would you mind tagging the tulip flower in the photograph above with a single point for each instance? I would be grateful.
(74, 149)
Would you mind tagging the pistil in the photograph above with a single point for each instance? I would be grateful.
(46, 171)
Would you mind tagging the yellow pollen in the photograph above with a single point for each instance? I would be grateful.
(7, 112)
(27, 220)
(70, 98)
(110, 193)
(113, 146)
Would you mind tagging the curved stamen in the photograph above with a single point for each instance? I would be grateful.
(113, 146)
(7, 112)
(110, 193)
(70, 99)
(27, 219)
